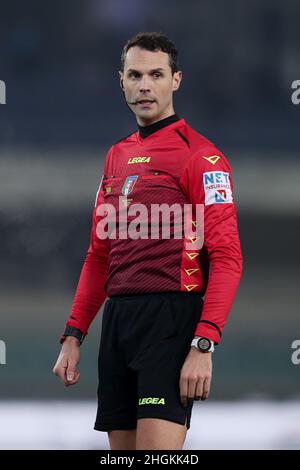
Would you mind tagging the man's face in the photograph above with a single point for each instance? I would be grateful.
(148, 84)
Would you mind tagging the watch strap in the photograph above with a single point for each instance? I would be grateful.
(72, 331)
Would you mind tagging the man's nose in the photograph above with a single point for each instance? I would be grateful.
(145, 84)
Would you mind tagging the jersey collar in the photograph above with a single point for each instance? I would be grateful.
(146, 131)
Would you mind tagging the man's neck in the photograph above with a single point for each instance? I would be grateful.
(145, 131)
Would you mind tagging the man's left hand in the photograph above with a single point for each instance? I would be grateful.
(195, 376)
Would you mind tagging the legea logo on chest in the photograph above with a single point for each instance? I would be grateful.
(141, 159)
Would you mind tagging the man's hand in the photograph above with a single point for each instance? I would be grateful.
(195, 377)
(66, 364)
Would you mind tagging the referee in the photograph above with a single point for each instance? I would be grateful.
(168, 297)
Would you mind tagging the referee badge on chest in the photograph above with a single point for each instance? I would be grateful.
(129, 184)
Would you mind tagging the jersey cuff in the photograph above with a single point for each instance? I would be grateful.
(208, 330)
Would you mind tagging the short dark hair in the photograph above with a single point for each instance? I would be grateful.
(152, 41)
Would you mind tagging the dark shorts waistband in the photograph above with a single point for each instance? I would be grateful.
(156, 294)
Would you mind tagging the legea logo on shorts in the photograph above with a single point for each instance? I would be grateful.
(152, 401)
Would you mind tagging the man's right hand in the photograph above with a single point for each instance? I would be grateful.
(68, 359)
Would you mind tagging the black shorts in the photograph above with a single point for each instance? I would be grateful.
(145, 339)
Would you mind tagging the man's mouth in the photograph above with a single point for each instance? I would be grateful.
(145, 101)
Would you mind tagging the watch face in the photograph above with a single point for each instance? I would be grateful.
(204, 344)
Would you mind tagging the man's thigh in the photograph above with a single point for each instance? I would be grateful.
(159, 434)
(122, 439)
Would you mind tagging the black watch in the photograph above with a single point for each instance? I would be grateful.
(72, 331)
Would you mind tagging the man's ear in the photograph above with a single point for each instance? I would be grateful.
(121, 80)
(177, 77)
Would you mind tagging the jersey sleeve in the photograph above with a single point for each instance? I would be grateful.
(207, 180)
(90, 293)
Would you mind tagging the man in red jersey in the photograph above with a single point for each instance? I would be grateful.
(168, 298)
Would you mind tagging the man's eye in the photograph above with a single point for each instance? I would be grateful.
(133, 74)
(157, 74)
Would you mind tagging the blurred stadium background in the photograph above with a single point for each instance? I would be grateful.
(60, 63)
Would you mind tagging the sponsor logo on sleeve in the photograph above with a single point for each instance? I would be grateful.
(217, 187)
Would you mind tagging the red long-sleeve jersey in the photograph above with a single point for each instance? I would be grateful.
(174, 165)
